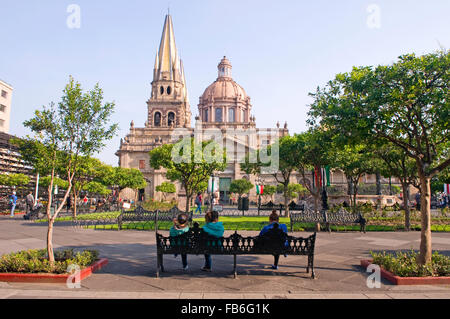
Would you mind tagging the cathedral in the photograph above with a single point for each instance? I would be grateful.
(224, 106)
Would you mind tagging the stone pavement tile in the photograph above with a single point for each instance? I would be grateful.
(331, 258)
(344, 296)
(305, 296)
(377, 296)
(421, 288)
(276, 296)
(191, 295)
(253, 296)
(438, 295)
(399, 295)
(219, 295)
(7, 293)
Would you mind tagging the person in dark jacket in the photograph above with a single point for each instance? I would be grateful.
(274, 219)
(213, 228)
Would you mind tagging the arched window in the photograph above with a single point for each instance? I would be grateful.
(205, 115)
(157, 119)
(231, 116)
(218, 115)
(169, 90)
(161, 90)
(171, 119)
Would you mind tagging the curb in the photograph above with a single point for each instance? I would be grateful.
(396, 280)
(53, 278)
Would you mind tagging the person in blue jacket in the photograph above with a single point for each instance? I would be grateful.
(214, 228)
(274, 219)
(180, 226)
(13, 202)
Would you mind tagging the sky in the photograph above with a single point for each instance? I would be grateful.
(280, 50)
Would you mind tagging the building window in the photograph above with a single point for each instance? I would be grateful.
(219, 115)
(4, 94)
(142, 164)
(169, 90)
(161, 90)
(205, 116)
(2, 123)
(157, 119)
(231, 116)
(171, 119)
(2, 108)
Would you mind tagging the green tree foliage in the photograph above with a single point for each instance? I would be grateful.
(186, 162)
(269, 191)
(15, 180)
(96, 188)
(405, 104)
(166, 188)
(294, 190)
(240, 186)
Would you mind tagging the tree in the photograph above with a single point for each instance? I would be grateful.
(15, 180)
(288, 158)
(398, 164)
(77, 126)
(294, 190)
(187, 163)
(85, 172)
(240, 186)
(405, 104)
(166, 188)
(354, 161)
(313, 148)
(96, 188)
(269, 191)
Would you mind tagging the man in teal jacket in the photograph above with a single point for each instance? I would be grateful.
(214, 228)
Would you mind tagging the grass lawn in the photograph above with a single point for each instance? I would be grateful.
(254, 223)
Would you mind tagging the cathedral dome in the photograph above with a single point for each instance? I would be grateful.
(224, 87)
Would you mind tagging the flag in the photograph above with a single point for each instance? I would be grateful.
(259, 189)
(447, 189)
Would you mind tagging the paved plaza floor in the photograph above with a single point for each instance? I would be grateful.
(131, 270)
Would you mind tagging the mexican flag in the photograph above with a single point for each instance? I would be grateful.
(259, 189)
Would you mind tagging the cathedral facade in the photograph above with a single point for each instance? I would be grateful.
(224, 107)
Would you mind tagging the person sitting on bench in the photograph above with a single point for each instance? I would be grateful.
(274, 219)
(180, 226)
(214, 228)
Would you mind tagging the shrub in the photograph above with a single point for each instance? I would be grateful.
(404, 264)
(36, 261)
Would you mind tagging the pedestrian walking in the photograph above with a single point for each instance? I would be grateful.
(198, 202)
(13, 202)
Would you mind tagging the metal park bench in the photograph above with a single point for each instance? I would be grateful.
(198, 242)
(342, 217)
(140, 215)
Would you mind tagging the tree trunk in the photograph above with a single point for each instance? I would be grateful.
(51, 256)
(286, 207)
(188, 202)
(316, 201)
(75, 197)
(425, 236)
(406, 205)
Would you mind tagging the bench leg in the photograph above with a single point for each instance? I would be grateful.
(311, 265)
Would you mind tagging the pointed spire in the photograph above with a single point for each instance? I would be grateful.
(167, 54)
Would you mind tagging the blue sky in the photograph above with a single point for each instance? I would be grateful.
(280, 50)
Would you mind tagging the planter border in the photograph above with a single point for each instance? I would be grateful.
(396, 280)
(52, 278)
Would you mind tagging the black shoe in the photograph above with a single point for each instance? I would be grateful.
(206, 269)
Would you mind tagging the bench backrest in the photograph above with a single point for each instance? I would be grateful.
(196, 241)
